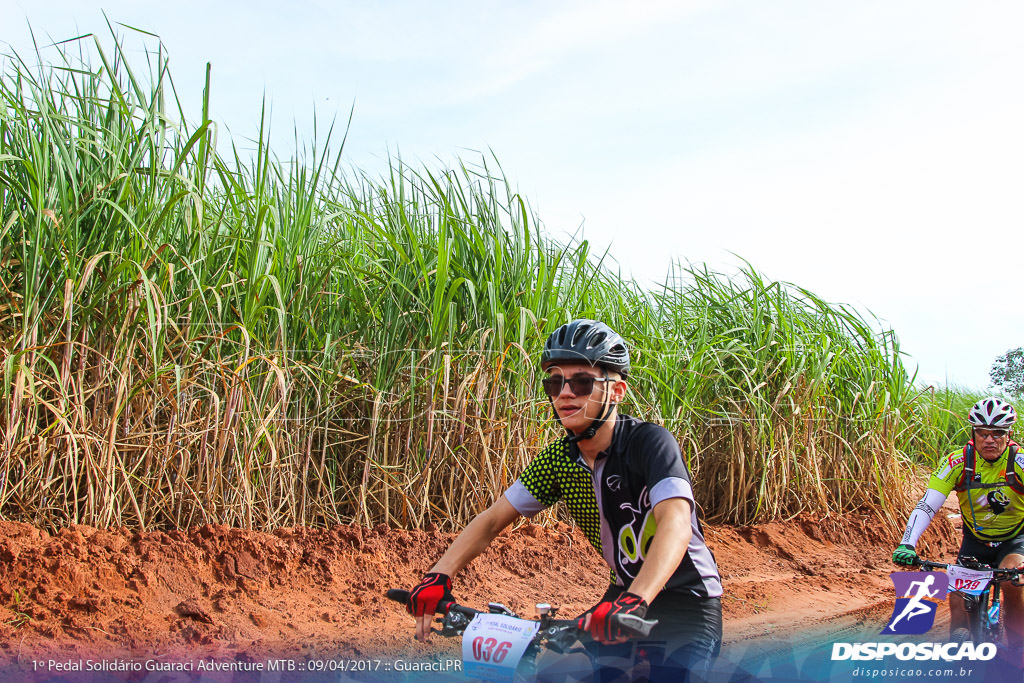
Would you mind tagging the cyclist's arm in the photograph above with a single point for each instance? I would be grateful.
(922, 516)
(477, 535)
(940, 484)
(473, 540)
(518, 500)
(669, 545)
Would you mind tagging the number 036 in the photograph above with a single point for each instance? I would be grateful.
(489, 649)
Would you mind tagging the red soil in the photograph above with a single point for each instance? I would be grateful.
(298, 593)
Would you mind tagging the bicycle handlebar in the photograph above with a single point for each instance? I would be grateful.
(636, 627)
(998, 573)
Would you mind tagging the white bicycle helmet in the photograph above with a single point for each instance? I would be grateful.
(992, 412)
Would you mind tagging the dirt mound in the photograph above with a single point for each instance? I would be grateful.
(236, 595)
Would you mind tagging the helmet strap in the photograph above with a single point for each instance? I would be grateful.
(591, 431)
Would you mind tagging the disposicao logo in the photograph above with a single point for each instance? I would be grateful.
(947, 652)
(918, 595)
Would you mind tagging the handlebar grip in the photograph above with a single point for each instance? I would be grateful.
(402, 596)
(398, 595)
(636, 626)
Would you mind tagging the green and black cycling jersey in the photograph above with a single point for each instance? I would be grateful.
(614, 503)
(990, 508)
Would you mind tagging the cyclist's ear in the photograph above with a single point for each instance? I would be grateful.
(618, 388)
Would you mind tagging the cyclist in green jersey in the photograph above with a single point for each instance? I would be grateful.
(987, 481)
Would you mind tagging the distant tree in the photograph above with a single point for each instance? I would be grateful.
(1008, 371)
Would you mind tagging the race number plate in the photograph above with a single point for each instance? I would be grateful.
(493, 644)
(971, 581)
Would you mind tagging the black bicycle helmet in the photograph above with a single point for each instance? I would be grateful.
(587, 341)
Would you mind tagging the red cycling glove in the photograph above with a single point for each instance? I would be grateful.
(602, 627)
(434, 594)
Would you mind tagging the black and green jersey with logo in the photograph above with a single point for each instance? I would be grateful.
(613, 503)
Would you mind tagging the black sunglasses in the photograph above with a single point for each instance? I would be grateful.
(580, 385)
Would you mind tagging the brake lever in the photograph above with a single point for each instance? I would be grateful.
(562, 640)
(453, 624)
(973, 563)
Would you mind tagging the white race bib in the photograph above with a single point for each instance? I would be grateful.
(493, 644)
(972, 581)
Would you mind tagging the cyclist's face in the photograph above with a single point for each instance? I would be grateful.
(990, 443)
(578, 410)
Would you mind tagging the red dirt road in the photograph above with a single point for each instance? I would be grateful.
(241, 596)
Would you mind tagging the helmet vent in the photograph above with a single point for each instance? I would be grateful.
(587, 341)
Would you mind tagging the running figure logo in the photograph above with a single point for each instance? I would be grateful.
(917, 599)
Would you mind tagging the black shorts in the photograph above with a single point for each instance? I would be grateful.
(686, 640)
(990, 553)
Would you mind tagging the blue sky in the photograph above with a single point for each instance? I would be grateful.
(870, 152)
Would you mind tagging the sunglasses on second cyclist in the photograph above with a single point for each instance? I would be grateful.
(579, 385)
(981, 434)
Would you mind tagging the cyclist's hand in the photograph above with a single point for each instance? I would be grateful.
(434, 594)
(598, 621)
(904, 554)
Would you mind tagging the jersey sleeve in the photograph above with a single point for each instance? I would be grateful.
(537, 487)
(522, 500)
(948, 474)
(663, 466)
